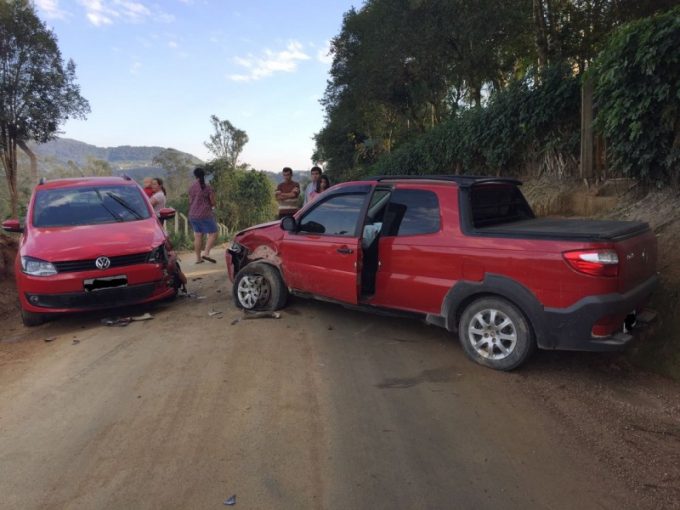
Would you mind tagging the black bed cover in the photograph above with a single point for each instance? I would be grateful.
(566, 229)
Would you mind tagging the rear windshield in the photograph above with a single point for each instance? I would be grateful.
(63, 207)
(494, 204)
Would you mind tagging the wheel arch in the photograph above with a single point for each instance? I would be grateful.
(268, 262)
(465, 292)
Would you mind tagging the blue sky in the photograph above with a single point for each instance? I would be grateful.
(154, 71)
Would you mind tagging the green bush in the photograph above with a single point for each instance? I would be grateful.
(637, 96)
(518, 125)
(244, 197)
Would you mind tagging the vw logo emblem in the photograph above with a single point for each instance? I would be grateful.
(102, 263)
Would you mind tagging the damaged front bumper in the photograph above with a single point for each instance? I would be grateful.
(236, 256)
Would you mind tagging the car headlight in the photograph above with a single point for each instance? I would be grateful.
(157, 255)
(37, 267)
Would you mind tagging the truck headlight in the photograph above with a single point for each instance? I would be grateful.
(37, 267)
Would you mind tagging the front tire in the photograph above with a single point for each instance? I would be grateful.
(495, 333)
(259, 286)
(31, 319)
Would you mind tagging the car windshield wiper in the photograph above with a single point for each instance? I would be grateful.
(122, 202)
(101, 200)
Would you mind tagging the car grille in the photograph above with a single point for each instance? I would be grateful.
(73, 266)
(98, 299)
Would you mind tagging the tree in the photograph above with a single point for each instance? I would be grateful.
(93, 168)
(38, 92)
(178, 167)
(245, 196)
(227, 142)
(637, 84)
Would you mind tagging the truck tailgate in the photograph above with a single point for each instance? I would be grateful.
(637, 260)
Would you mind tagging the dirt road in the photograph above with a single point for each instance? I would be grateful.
(323, 408)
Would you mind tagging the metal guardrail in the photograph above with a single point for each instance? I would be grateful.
(181, 225)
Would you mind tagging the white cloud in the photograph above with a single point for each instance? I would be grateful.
(173, 45)
(106, 12)
(270, 62)
(324, 54)
(51, 9)
(135, 67)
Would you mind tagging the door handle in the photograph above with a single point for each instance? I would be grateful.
(345, 250)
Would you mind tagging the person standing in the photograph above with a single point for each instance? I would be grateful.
(148, 190)
(202, 216)
(158, 198)
(287, 194)
(311, 188)
(322, 185)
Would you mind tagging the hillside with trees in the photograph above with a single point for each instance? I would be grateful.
(496, 88)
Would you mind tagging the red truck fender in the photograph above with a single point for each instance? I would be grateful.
(465, 292)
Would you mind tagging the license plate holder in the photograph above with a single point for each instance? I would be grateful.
(106, 282)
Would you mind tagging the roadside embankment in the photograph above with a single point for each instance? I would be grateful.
(658, 350)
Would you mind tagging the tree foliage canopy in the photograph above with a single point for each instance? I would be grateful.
(38, 92)
(638, 97)
(403, 68)
(227, 141)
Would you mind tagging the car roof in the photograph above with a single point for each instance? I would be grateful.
(77, 182)
(463, 181)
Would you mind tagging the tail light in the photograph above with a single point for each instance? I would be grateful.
(594, 262)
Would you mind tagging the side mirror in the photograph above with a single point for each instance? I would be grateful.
(12, 226)
(166, 213)
(289, 224)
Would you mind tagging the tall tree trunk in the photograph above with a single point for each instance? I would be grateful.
(9, 162)
(34, 161)
(542, 48)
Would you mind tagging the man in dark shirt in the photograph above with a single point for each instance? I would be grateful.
(287, 194)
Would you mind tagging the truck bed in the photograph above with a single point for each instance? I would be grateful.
(566, 229)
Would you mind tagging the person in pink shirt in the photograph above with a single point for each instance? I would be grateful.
(202, 216)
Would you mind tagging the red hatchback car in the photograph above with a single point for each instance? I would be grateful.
(91, 243)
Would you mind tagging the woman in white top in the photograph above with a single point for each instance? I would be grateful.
(158, 197)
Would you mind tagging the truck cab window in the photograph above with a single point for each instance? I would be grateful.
(412, 212)
(337, 216)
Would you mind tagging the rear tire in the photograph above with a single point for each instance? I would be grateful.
(496, 334)
(259, 286)
(31, 319)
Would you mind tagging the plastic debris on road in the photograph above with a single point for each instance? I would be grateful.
(231, 501)
(246, 315)
(118, 322)
(121, 322)
(147, 316)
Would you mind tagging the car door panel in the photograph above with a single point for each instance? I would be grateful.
(323, 256)
(325, 266)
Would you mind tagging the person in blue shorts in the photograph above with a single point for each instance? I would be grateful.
(202, 216)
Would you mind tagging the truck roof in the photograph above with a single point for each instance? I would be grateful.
(463, 181)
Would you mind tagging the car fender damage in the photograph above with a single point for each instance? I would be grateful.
(265, 253)
(240, 256)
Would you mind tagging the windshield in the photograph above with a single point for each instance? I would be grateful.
(88, 206)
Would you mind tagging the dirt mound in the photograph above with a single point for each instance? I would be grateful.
(622, 199)
(8, 292)
(660, 351)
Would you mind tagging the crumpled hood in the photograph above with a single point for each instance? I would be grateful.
(258, 227)
(86, 242)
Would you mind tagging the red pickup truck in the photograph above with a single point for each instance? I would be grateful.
(467, 253)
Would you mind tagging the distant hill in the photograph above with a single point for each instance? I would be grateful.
(136, 161)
